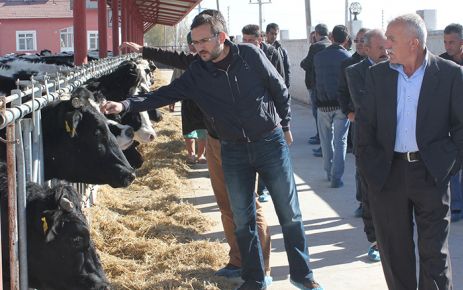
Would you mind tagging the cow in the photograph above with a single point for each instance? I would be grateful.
(124, 81)
(60, 253)
(78, 146)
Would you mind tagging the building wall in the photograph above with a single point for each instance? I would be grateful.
(297, 51)
(47, 32)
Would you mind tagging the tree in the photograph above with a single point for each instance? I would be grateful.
(167, 36)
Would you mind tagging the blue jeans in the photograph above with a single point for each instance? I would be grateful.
(456, 191)
(270, 157)
(313, 101)
(333, 128)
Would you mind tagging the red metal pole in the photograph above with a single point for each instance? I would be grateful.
(80, 32)
(102, 29)
(115, 24)
(124, 22)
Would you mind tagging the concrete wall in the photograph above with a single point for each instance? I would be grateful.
(297, 50)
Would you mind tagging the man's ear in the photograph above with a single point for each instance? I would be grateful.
(222, 36)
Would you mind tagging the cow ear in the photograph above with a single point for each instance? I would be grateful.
(48, 226)
(71, 121)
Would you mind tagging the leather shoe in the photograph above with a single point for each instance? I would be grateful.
(229, 271)
(251, 285)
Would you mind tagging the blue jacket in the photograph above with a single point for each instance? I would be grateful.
(327, 65)
(236, 101)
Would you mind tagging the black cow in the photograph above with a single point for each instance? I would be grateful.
(78, 146)
(60, 252)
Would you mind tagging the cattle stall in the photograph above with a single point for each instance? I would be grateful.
(24, 150)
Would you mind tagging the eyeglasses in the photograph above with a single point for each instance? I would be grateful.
(204, 40)
(358, 40)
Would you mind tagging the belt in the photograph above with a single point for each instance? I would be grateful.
(408, 156)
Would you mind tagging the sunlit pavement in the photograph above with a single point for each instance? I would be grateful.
(337, 243)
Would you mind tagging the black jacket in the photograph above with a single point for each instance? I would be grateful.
(343, 90)
(284, 62)
(235, 101)
(307, 62)
(439, 122)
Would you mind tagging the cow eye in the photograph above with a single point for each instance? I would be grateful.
(101, 149)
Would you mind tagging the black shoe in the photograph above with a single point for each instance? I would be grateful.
(314, 140)
(318, 150)
(251, 285)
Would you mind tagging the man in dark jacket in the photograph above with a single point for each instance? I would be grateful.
(347, 105)
(232, 85)
(214, 161)
(333, 124)
(453, 42)
(271, 33)
(375, 52)
(322, 42)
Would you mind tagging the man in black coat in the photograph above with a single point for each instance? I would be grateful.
(373, 41)
(322, 42)
(410, 142)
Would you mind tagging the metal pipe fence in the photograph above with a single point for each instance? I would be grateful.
(24, 149)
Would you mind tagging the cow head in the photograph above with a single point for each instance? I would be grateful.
(78, 145)
(61, 254)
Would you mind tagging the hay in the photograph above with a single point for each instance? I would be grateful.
(147, 237)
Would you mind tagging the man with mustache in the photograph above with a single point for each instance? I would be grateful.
(410, 141)
(373, 48)
(232, 84)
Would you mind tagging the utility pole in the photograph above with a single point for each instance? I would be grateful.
(308, 18)
(218, 7)
(260, 9)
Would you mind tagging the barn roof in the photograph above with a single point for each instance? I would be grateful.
(165, 12)
(26, 9)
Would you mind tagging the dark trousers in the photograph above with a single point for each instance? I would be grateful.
(410, 191)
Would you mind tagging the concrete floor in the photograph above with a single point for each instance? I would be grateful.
(337, 243)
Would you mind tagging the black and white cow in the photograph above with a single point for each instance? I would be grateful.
(78, 146)
(120, 84)
(60, 252)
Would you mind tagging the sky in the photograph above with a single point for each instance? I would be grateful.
(290, 14)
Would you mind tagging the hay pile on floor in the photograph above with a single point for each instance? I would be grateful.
(147, 237)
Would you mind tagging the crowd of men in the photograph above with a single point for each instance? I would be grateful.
(402, 103)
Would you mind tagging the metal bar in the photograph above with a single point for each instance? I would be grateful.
(12, 208)
(75, 80)
(21, 208)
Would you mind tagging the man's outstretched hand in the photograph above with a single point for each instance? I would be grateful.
(111, 108)
(131, 46)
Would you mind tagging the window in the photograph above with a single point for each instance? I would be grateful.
(92, 40)
(26, 40)
(66, 39)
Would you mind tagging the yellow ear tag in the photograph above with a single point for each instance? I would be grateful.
(44, 225)
(66, 127)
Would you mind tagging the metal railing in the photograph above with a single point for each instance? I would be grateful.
(24, 149)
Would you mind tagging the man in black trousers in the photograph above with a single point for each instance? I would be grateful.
(410, 142)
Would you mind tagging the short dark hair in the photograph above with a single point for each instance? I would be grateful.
(454, 28)
(321, 29)
(211, 17)
(271, 26)
(251, 29)
(340, 33)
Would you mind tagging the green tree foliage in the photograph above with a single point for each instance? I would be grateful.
(165, 36)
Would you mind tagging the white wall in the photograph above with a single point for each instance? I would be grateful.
(297, 50)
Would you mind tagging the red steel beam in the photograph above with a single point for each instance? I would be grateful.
(80, 32)
(102, 29)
